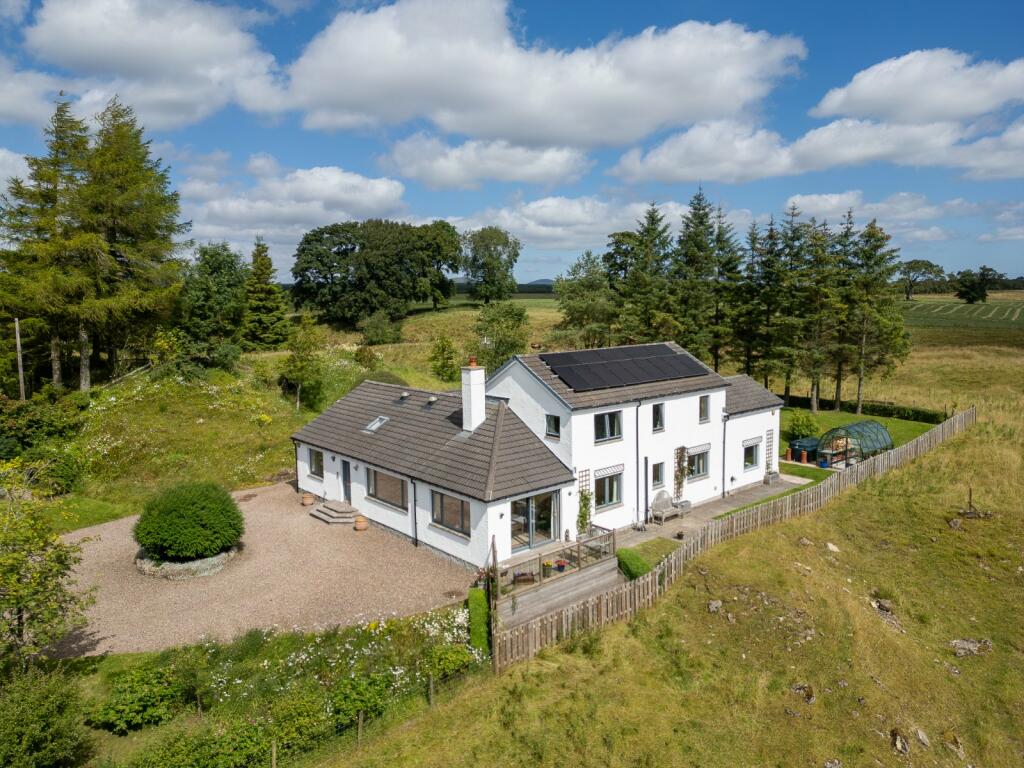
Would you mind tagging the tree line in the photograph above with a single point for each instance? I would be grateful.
(969, 285)
(796, 298)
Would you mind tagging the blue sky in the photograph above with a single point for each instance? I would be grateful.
(558, 121)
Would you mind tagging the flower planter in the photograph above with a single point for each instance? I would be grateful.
(361, 523)
(560, 565)
(308, 499)
(547, 569)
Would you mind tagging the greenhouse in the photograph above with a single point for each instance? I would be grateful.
(851, 443)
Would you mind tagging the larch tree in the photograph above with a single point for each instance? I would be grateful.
(265, 321)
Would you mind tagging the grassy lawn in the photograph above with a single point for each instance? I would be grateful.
(943, 320)
(653, 551)
(809, 471)
(681, 686)
(901, 431)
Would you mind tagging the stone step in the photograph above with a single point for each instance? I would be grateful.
(335, 513)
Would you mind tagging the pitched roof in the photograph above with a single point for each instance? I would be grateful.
(745, 395)
(596, 398)
(425, 440)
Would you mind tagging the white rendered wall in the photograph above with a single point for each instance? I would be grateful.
(745, 427)
(532, 401)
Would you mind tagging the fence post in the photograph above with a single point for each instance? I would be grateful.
(359, 731)
(273, 754)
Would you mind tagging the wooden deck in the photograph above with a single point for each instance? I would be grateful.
(559, 592)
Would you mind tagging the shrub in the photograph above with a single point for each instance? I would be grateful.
(53, 471)
(444, 360)
(51, 414)
(40, 722)
(367, 694)
(234, 743)
(301, 720)
(139, 697)
(631, 563)
(803, 424)
(189, 521)
(448, 659)
(378, 329)
(367, 358)
(479, 619)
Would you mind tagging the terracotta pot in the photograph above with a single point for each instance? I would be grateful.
(361, 523)
(308, 499)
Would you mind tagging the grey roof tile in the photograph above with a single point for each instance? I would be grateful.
(745, 395)
(596, 398)
(425, 441)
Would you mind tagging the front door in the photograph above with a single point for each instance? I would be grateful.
(534, 520)
(346, 481)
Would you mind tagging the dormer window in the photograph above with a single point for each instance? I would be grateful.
(376, 424)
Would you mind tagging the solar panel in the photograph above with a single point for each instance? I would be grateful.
(591, 369)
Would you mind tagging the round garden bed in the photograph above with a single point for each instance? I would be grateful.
(190, 569)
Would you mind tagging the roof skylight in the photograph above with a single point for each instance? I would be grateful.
(376, 424)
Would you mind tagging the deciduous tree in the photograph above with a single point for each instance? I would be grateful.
(490, 254)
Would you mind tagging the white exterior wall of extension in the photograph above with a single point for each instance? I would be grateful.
(532, 402)
(485, 519)
(742, 430)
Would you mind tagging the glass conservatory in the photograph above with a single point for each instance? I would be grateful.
(850, 443)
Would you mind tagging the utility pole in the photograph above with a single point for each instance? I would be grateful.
(21, 370)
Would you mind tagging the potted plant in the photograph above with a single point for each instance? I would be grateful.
(308, 499)
(560, 565)
(548, 565)
(361, 523)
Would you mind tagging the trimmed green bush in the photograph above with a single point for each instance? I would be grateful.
(188, 522)
(448, 659)
(41, 723)
(803, 424)
(479, 619)
(139, 697)
(631, 563)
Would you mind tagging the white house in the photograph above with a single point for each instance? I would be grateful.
(504, 459)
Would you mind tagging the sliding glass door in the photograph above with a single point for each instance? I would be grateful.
(534, 520)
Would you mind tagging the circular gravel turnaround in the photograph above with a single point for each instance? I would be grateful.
(190, 569)
(293, 572)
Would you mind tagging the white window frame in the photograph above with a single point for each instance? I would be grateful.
(704, 409)
(658, 482)
(658, 424)
(606, 482)
(311, 452)
(756, 448)
(557, 433)
(707, 465)
(609, 418)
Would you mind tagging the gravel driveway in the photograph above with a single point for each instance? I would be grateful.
(294, 571)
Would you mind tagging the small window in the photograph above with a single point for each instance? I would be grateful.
(658, 474)
(697, 465)
(607, 426)
(552, 426)
(316, 463)
(751, 456)
(658, 417)
(449, 512)
(608, 491)
(705, 409)
(386, 488)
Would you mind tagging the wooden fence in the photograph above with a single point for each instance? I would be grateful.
(522, 642)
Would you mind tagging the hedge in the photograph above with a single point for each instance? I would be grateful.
(631, 563)
(41, 723)
(479, 619)
(874, 408)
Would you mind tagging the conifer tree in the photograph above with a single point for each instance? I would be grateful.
(693, 272)
(586, 303)
(843, 243)
(265, 322)
(725, 289)
(820, 304)
(644, 297)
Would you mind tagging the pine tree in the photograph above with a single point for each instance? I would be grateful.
(820, 305)
(843, 243)
(40, 217)
(693, 272)
(725, 289)
(644, 296)
(130, 218)
(793, 242)
(265, 323)
(768, 285)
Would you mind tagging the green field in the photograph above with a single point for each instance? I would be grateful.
(944, 320)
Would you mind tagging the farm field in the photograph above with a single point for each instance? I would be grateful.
(999, 321)
(681, 686)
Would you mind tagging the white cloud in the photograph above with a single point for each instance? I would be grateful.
(1003, 233)
(460, 65)
(23, 94)
(733, 152)
(13, 11)
(901, 209)
(262, 164)
(282, 207)
(440, 165)
(926, 235)
(11, 164)
(927, 86)
(175, 61)
(992, 157)
(568, 223)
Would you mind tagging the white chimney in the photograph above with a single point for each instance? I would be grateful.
(474, 393)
